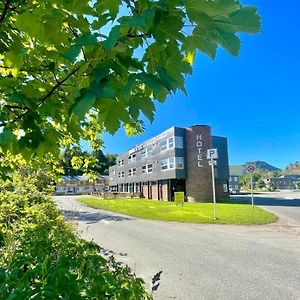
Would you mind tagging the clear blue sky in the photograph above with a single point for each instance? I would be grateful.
(253, 100)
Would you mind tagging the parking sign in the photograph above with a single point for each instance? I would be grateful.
(212, 154)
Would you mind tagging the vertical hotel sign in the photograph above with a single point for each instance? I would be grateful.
(199, 144)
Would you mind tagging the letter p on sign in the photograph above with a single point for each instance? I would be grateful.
(212, 154)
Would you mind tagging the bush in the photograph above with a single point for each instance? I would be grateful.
(41, 257)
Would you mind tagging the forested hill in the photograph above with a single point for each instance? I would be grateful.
(291, 169)
(262, 165)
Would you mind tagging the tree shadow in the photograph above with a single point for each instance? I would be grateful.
(91, 218)
(107, 252)
(265, 201)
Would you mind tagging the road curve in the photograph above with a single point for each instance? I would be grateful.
(198, 261)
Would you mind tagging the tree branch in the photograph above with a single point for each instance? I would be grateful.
(58, 84)
(4, 11)
(142, 35)
(43, 99)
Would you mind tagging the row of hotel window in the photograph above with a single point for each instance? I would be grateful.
(167, 144)
(166, 164)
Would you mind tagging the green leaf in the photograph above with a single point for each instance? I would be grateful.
(155, 84)
(83, 104)
(112, 39)
(78, 7)
(167, 27)
(112, 6)
(244, 19)
(148, 108)
(103, 89)
(169, 82)
(14, 59)
(72, 53)
(228, 41)
(32, 24)
(112, 112)
(87, 39)
(144, 19)
(6, 135)
(221, 8)
(202, 40)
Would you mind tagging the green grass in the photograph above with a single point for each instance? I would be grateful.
(227, 213)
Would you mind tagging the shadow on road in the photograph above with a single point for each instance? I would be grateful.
(91, 218)
(266, 201)
(107, 252)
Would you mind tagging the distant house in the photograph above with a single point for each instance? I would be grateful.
(80, 185)
(286, 182)
(234, 184)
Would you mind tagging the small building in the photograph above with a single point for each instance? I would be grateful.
(234, 184)
(285, 182)
(173, 161)
(81, 185)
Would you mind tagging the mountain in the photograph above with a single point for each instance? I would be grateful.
(261, 165)
(291, 169)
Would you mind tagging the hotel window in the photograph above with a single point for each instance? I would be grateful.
(163, 145)
(171, 143)
(143, 153)
(121, 162)
(132, 172)
(132, 158)
(236, 187)
(178, 142)
(164, 164)
(149, 151)
(149, 168)
(235, 179)
(121, 174)
(144, 169)
(171, 163)
(179, 163)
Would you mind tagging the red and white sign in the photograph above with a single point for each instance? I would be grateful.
(250, 168)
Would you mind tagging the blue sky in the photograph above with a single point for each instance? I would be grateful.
(253, 100)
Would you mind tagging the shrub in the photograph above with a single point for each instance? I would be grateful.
(41, 257)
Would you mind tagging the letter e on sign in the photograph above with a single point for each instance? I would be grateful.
(212, 154)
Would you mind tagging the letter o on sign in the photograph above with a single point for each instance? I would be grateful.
(250, 168)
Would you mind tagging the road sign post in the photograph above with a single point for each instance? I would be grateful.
(212, 154)
(250, 168)
(251, 184)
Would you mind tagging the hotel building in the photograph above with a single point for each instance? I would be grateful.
(174, 161)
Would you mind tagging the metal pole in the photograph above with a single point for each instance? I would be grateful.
(214, 188)
(251, 183)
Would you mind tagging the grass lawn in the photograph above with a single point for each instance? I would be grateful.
(189, 213)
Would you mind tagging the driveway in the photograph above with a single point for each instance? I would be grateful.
(285, 204)
(198, 261)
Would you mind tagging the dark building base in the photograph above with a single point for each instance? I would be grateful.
(164, 190)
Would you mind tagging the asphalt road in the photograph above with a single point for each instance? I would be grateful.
(198, 261)
(285, 204)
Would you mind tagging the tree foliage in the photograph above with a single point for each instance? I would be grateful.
(71, 69)
(259, 179)
(74, 162)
